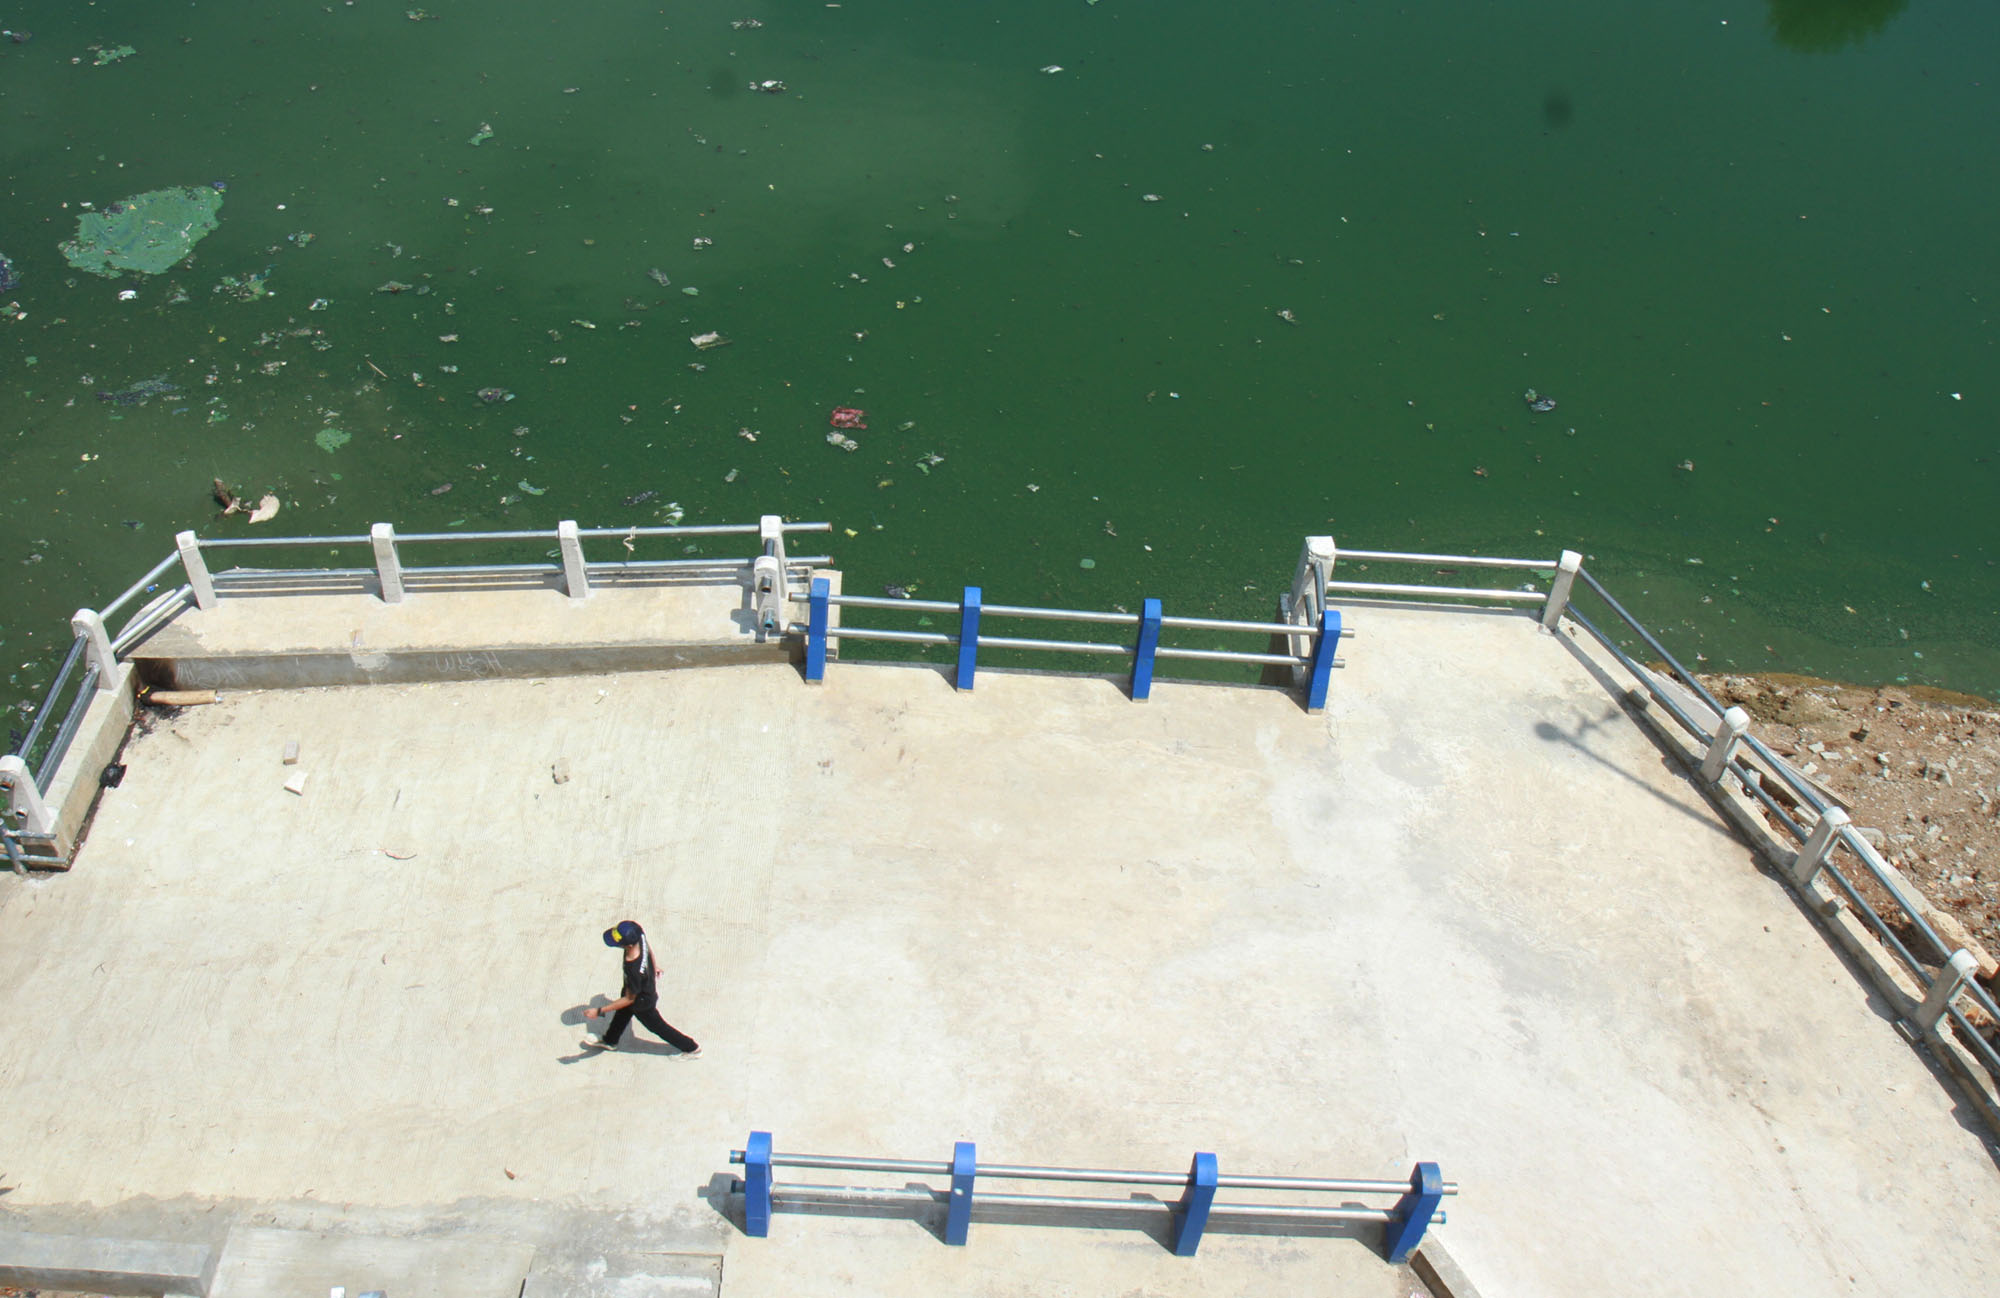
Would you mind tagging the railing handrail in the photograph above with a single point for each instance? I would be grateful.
(1314, 664)
(1417, 1206)
(1942, 977)
(1098, 1175)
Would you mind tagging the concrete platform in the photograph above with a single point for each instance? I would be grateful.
(1468, 915)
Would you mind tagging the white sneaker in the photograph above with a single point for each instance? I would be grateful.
(689, 1054)
(598, 1043)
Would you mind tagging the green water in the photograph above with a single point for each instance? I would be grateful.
(1774, 259)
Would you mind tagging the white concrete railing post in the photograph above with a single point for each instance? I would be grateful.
(1734, 722)
(1948, 984)
(197, 569)
(1559, 589)
(388, 568)
(768, 585)
(24, 800)
(1811, 858)
(97, 651)
(576, 577)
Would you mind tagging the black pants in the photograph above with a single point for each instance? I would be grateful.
(648, 1013)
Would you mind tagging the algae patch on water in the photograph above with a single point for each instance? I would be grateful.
(148, 233)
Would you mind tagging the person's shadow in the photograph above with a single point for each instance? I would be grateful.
(629, 1044)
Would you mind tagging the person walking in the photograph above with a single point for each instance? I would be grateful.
(640, 998)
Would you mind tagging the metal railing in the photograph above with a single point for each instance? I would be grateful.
(1314, 666)
(1414, 1210)
(1829, 846)
(91, 663)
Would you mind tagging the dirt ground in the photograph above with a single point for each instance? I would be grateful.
(1919, 769)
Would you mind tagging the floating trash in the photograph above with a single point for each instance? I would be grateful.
(1685, 466)
(659, 277)
(1287, 316)
(1149, 198)
(1537, 402)
(9, 281)
(332, 439)
(266, 510)
(1086, 563)
(19, 38)
(632, 502)
(747, 434)
(493, 396)
(899, 592)
(729, 476)
(741, 23)
(139, 393)
(394, 286)
(442, 488)
(704, 342)
(127, 294)
(532, 490)
(244, 288)
(483, 134)
(147, 233)
(691, 291)
(768, 87)
(847, 417)
(1052, 69)
(703, 241)
(110, 53)
(844, 443)
(1552, 278)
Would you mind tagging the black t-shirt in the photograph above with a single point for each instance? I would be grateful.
(641, 976)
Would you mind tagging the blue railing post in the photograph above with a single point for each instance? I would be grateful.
(1413, 1212)
(958, 1217)
(968, 637)
(1324, 649)
(816, 620)
(757, 1185)
(1149, 645)
(1192, 1216)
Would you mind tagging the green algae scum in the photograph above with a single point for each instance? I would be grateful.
(1132, 296)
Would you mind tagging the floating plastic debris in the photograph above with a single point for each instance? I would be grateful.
(1686, 466)
(267, 509)
(769, 87)
(633, 501)
(659, 277)
(741, 23)
(139, 393)
(691, 291)
(9, 281)
(247, 287)
(483, 134)
(332, 439)
(442, 488)
(899, 592)
(1286, 315)
(729, 476)
(1149, 198)
(1052, 69)
(847, 417)
(394, 286)
(127, 294)
(704, 342)
(1086, 563)
(110, 53)
(493, 396)
(532, 490)
(747, 434)
(147, 233)
(844, 443)
(703, 241)
(1537, 402)
(1552, 278)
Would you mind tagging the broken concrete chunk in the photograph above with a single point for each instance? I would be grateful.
(291, 752)
(297, 784)
(559, 770)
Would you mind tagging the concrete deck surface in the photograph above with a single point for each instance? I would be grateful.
(1468, 915)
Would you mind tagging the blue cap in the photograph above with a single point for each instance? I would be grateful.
(623, 933)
